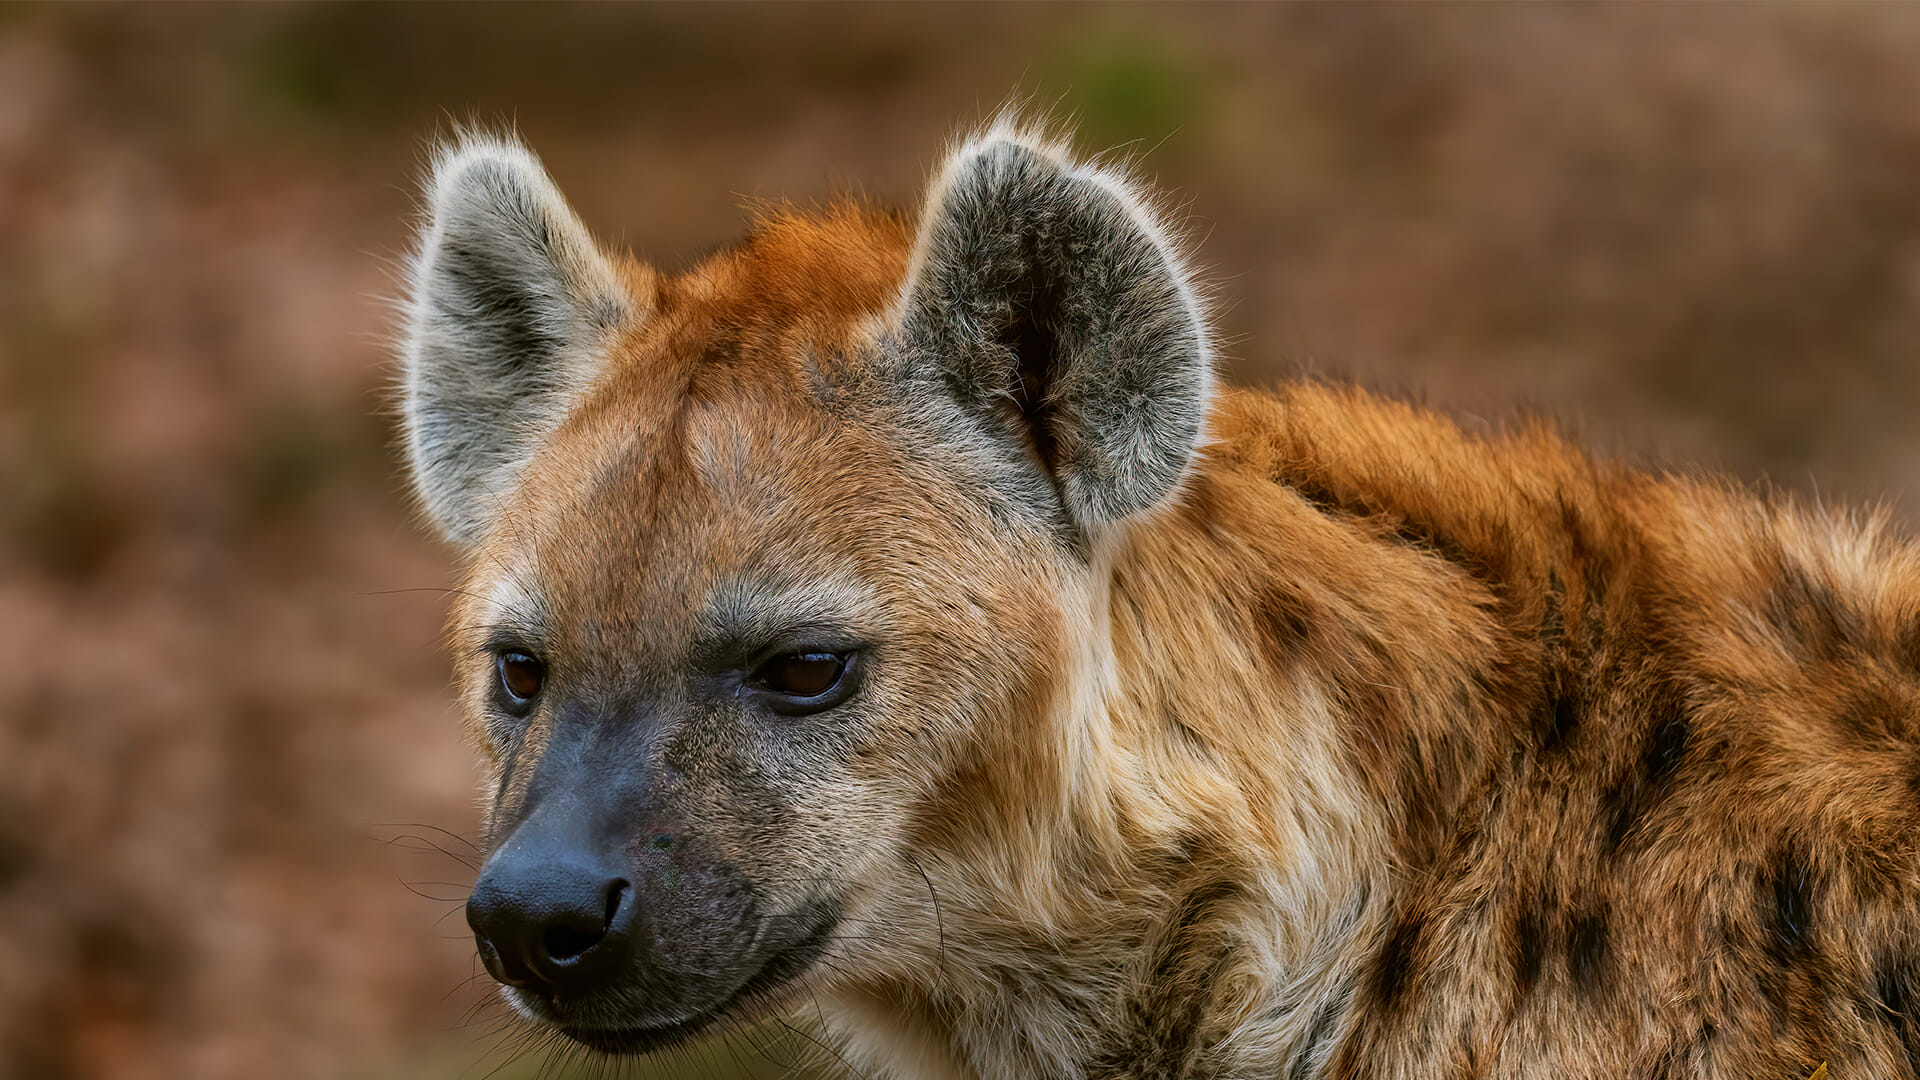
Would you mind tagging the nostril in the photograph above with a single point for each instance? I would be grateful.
(616, 891)
(566, 942)
(503, 966)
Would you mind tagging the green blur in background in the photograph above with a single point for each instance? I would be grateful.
(233, 788)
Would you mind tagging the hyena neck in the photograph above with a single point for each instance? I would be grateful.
(1179, 894)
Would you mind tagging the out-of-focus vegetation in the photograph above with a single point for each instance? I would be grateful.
(1692, 232)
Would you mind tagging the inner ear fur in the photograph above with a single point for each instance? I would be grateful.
(510, 309)
(1045, 296)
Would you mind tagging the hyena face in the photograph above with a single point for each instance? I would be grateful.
(779, 567)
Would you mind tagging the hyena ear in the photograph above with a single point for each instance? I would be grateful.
(510, 313)
(1049, 301)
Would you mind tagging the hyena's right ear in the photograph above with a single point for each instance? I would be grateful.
(511, 310)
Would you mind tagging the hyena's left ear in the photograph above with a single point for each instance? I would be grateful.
(1049, 301)
(512, 309)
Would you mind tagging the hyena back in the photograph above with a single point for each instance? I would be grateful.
(889, 614)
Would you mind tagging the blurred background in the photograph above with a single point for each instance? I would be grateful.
(232, 786)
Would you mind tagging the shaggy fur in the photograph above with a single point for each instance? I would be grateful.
(1332, 743)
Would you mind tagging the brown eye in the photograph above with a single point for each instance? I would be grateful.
(805, 682)
(802, 675)
(521, 676)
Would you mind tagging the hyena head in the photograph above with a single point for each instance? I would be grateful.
(781, 572)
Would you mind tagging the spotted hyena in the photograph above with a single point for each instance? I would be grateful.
(892, 614)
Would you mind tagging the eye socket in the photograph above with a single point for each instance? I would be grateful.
(806, 682)
(521, 677)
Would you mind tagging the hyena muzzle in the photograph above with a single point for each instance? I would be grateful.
(889, 614)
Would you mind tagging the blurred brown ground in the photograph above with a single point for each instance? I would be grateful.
(1691, 233)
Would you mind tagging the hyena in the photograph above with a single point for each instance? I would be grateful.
(890, 615)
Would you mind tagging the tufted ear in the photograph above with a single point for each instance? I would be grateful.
(511, 309)
(1052, 305)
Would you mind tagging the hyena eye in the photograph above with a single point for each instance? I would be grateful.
(802, 675)
(805, 682)
(521, 677)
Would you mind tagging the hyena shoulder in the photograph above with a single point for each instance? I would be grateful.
(1653, 779)
(891, 613)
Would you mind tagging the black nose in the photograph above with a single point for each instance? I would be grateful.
(551, 921)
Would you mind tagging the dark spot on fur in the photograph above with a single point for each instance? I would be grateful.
(1910, 646)
(1433, 542)
(1185, 847)
(1648, 780)
(1562, 719)
(1284, 621)
(1563, 711)
(1133, 605)
(1473, 564)
(1318, 496)
(1787, 907)
(1553, 614)
(1669, 742)
(1588, 558)
(1810, 616)
(1190, 914)
(1875, 714)
(1184, 734)
(1352, 509)
(1587, 948)
(1396, 965)
(1529, 944)
(1863, 715)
